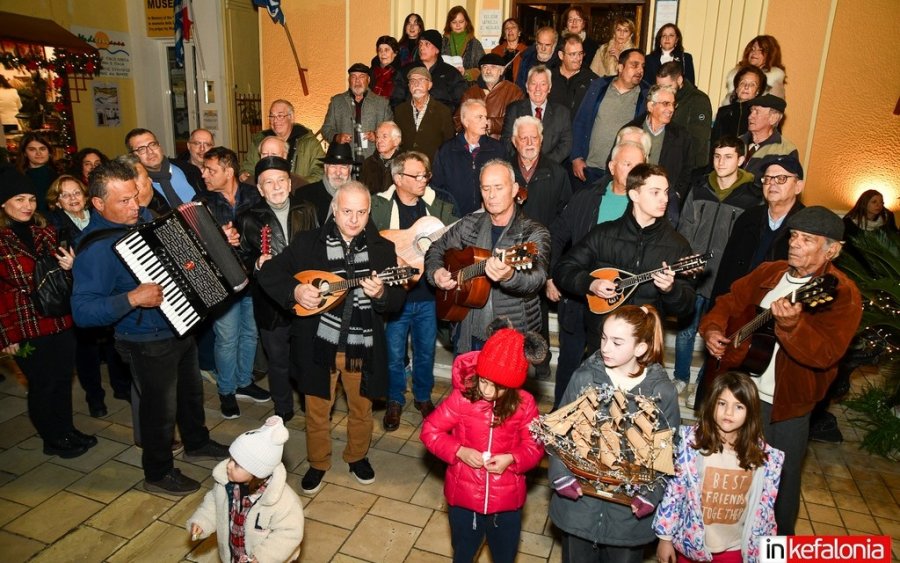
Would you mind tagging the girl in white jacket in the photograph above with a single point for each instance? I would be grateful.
(256, 516)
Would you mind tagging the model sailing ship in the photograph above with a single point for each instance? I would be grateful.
(616, 453)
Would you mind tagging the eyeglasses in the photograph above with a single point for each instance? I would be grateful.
(668, 104)
(279, 116)
(780, 179)
(417, 177)
(574, 20)
(71, 195)
(143, 150)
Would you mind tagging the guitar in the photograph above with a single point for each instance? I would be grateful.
(473, 287)
(334, 288)
(626, 282)
(753, 343)
(411, 244)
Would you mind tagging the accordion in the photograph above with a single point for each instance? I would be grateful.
(185, 252)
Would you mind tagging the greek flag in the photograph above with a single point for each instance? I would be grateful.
(184, 19)
(274, 9)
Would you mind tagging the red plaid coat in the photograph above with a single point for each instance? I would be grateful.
(19, 321)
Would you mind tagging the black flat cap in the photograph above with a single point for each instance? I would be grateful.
(817, 220)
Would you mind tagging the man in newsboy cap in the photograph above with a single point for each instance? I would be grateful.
(357, 105)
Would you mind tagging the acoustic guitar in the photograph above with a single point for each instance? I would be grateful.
(626, 282)
(753, 332)
(473, 287)
(411, 244)
(334, 288)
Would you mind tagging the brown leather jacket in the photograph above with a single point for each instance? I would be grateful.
(503, 94)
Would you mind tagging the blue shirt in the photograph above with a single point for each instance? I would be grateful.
(179, 183)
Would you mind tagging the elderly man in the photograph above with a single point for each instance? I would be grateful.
(376, 170)
(514, 293)
(234, 327)
(555, 118)
(424, 122)
(200, 141)
(285, 216)
(354, 115)
(496, 92)
(338, 165)
(409, 199)
(175, 181)
(346, 342)
(164, 367)
(609, 104)
(572, 78)
(605, 201)
(304, 149)
(808, 345)
(541, 53)
(448, 84)
(762, 137)
(693, 111)
(670, 145)
(274, 146)
(459, 161)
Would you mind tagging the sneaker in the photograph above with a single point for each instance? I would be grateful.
(312, 481)
(230, 408)
(66, 447)
(679, 386)
(253, 392)
(363, 471)
(392, 416)
(424, 407)
(211, 451)
(174, 483)
(690, 395)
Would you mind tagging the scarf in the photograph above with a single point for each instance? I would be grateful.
(239, 505)
(458, 43)
(164, 178)
(346, 328)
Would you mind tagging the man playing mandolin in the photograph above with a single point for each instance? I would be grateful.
(807, 343)
(513, 293)
(345, 341)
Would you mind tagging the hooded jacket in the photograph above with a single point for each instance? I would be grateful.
(459, 422)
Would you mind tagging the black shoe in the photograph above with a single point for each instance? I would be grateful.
(174, 483)
(82, 438)
(230, 408)
(122, 395)
(98, 410)
(312, 481)
(66, 447)
(285, 416)
(363, 471)
(424, 407)
(211, 451)
(391, 419)
(253, 392)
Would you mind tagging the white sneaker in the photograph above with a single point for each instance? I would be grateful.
(690, 395)
(679, 385)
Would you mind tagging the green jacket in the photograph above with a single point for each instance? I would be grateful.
(384, 209)
(695, 114)
(305, 161)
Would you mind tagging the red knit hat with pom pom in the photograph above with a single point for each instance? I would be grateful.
(502, 360)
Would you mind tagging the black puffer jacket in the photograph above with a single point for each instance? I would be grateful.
(517, 298)
(301, 217)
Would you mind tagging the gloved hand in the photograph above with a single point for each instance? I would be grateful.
(568, 487)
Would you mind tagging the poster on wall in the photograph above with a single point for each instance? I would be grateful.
(490, 27)
(666, 12)
(106, 105)
(114, 48)
(160, 18)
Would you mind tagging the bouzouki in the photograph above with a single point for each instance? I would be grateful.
(626, 282)
(473, 287)
(411, 244)
(753, 334)
(334, 288)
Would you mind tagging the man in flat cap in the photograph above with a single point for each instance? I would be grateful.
(496, 92)
(763, 137)
(809, 343)
(357, 106)
(425, 123)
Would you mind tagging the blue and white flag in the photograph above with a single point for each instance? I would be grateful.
(274, 9)
(184, 19)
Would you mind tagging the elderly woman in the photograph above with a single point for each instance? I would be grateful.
(668, 47)
(459, 41)
(385, 67)
(510, 48)
(43, 346)
(575, 22)
(606, 61)
(36, 161)
(749, 82)
(763, 52)
(413, 26)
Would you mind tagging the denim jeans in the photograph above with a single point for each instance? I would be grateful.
(468, 529)
(418, 318)
(684, 342)
(235, 346)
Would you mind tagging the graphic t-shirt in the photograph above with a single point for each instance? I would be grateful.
(723, 495)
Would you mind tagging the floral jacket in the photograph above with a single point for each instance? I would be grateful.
(680, 515)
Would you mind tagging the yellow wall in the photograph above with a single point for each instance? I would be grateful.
(100, 14)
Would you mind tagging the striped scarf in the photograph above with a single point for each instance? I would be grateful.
(348, 327)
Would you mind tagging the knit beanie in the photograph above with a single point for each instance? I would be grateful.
(502, 360)
(13, 183)
(259, 451)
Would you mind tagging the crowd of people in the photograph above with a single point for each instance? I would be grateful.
(571, 155)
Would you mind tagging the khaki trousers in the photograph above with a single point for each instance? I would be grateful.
(359, 421)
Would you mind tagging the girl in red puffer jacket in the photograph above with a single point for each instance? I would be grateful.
(481, 431)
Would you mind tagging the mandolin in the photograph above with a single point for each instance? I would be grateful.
(626, 282)
(473, 287)
(411, 244)
(334, 288)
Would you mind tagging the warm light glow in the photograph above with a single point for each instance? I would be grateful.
(887, 189)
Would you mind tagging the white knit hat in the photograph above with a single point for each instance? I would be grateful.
(259, 451)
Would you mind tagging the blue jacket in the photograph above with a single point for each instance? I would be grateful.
(457, 173)
(101, 286)
(584, 118)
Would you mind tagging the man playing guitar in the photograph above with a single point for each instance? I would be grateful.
(809, 344)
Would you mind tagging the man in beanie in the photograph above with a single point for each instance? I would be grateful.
(283, 215)
(496, 92)
(809, 344)
(354, 115)
(448, 84)
(256, 516)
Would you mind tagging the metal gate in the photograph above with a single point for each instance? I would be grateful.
(248, 110)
